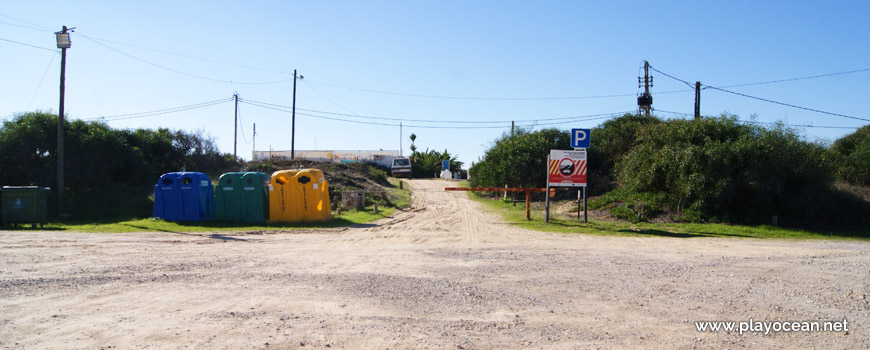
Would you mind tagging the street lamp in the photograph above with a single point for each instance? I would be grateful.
(63, 43)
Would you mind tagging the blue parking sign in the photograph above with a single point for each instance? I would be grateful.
(580, 138)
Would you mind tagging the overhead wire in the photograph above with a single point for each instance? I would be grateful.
(484, 98)
(788, 104)
(772, 101)
(180, 72)
(531, 122)
(41, 81)
(193, 57)
(282, 107)
(242, 126)
(326, 97)
(26, 44)
(800, 78)
(160, 111)
(30, 23)
(770, 123)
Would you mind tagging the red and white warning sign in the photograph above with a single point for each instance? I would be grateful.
(567, 168)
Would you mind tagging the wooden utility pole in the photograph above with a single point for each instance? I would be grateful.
(62, 47)
(293, 122)
(254, 149)
(236, 128)
(697, 100)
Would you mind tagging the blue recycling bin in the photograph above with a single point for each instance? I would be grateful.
(184, 196)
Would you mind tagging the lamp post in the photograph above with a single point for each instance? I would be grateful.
(63, 43)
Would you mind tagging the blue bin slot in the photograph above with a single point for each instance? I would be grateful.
(186, 196)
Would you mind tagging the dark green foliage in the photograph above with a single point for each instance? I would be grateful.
(428, 163)
(614, 139)
(519, 160)
(855, 152)
(719, 169)
(103, 167)
(631, 206)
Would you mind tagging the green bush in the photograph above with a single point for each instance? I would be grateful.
(630, 205)
(378, 175)
(720, 169)
(519, 160)
(102, 165)
(854, 150)
(614, 139)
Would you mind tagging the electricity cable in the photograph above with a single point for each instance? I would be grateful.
(161, 111)
(41, 81)
(409, 119)
(788, 105)
(180, 72)
(286, 109)
(25, 44)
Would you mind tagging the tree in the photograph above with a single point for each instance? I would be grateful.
(519, 160)
(721, 169)
(101, 162)
(854, 153)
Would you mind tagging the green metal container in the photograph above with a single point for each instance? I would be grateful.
(242, 197)
(27, 204)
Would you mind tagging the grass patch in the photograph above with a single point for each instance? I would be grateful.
(516, 216)
(399, 197)
(347, 218)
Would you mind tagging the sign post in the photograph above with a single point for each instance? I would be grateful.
(567, 168)
(547, 199)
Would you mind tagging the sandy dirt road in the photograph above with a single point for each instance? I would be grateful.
(441, 275)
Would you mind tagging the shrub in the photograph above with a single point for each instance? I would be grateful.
(719, 169)
(519, 160)
(854, 150)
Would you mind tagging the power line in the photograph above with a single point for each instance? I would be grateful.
(281, 107)
(161, 111)
(770, 123)
(485, 98)
(192, 57)
(286, 109)
(178, 71)
(787, 104)
(26, 44)
(673, 77)
(800, 78)
(44, 74)
(30, 23)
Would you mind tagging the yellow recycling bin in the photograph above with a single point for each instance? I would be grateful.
(299, 195)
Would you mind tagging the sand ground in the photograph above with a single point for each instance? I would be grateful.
(443, 274)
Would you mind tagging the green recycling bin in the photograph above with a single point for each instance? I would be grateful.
(27, 204)
(242, 196)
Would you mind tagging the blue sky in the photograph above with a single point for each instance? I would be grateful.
(440, 61)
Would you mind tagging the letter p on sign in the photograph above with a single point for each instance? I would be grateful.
(580, 138)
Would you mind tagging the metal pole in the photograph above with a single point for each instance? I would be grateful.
(547, 194)
(585, 218)
(400, 139)
(60, 129)
(293, 123)
(254, 147)
(236, 128)
(578, 203)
